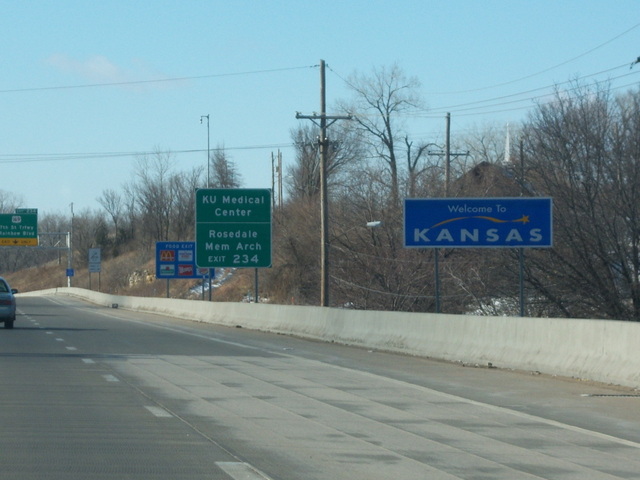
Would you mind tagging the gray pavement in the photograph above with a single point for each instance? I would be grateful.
(89, 392)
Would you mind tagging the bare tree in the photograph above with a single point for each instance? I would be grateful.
(153, 195)
(224, 173)
(304, 175)
(183, 188)
(583, 150)
(371, 269)
(89, 231)
(345, 154)
(129, 200)
(9, 201)
(487, 143)
(380, 101)
(295, 276)
(113, 203)
(416, 168)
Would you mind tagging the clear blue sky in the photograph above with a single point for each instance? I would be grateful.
(84, 80)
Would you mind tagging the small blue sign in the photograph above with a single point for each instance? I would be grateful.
(178, 260)
(478, 222)
(70, 272)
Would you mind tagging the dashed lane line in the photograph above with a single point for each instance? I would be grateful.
(159, 412)
(241, 471)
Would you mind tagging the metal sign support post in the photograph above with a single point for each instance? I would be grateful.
(521, 275)
(257, 298)
(436, 266)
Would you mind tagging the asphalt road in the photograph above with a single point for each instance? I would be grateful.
(88, 392)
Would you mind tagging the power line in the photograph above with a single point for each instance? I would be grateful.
(160, 80)
(561, 64)
(460, 113)
(56, 157)
(462, 109)
(392, 294)
(494, 99)
(526, 77)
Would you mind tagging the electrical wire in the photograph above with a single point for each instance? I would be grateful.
(561, 64)
(159, 80)
(56, 157)
(492, 101)
(460, 112)
(463, 109)
(398, 295)
(465, 106)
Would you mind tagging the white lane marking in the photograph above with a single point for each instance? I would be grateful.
(110, 378)
(159, 412)
(59, 339)
(489, 406)
(183, 332)
(49, 333)
(162, 327)
(88, 360)
(241, 471)
(71, 348)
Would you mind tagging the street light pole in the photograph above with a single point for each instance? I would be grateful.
(211, 270)
(208, 148)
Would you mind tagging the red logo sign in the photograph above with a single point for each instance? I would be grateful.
(185, 270)
(167, 255)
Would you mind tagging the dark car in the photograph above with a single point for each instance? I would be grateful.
(7, 304)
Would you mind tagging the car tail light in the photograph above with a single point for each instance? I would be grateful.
(6, 302)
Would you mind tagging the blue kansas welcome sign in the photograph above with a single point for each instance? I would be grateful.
(478, 222)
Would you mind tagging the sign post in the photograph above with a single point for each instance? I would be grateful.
(233, 227)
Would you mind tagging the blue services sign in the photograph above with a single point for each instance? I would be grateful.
(178, 260)
(478, 222)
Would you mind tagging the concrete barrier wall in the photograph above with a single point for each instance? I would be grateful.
(602, 350)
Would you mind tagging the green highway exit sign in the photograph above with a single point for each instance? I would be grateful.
(18, 229)
(233, 227)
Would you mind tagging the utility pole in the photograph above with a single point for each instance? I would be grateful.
(447, 181)
(70, 255)
(323, 143)
(447, 154)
